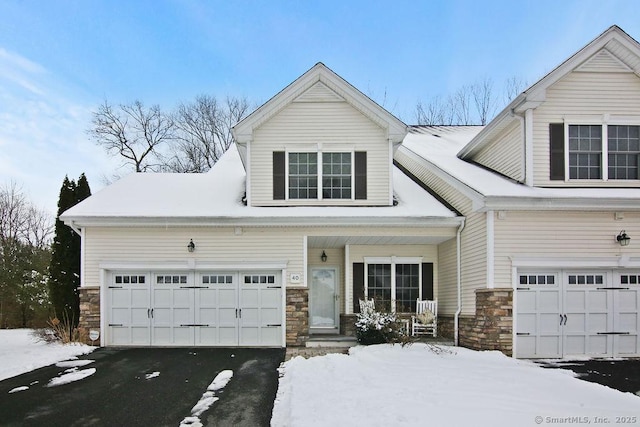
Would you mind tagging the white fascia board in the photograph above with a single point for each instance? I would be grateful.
(396, 129)
(558, 204)
(536, 94)
(538, 90)
(324, 221)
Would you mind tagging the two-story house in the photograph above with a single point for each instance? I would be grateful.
(520, 229)
(299, 220)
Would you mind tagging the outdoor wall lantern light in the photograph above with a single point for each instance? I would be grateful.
(623, 238)
(323, 257)
(191, 246)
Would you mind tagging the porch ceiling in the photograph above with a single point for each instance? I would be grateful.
(340, 241)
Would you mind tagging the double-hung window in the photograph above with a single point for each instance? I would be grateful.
(594, 151)
(320, 175)
(394, 283)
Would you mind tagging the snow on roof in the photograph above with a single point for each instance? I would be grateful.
(439, 146)
(219, 192)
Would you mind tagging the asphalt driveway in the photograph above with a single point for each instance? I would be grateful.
(623, 375)
(147, 387)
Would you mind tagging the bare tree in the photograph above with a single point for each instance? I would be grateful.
(204, 132)
(134, 132)
(462, 105)
(484, 101)
(469, 105)
(513, 87)
(432, 113)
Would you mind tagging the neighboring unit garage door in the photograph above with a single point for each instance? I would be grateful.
(195, 309)
(569, 313)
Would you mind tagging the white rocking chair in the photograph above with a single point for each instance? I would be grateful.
(425, 321)
(367, 305)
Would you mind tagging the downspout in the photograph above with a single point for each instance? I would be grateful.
(459, 283)
(75, 228)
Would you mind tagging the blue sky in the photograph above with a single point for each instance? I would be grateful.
(60, 59)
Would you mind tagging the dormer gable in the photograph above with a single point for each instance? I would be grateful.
(319, 141)
(595, 91)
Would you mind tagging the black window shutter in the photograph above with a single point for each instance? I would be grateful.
(361, 175)
(358, 285)
(556, 151)
(427, 280)
(278, 175)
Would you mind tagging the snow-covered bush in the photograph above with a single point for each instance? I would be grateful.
(378, 327)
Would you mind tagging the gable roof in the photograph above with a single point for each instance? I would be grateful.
(215, 199)
(619, 49)
(319, 84)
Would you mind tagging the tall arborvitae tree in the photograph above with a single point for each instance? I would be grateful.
(64, 269)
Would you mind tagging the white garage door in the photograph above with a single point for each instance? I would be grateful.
(195, 309)
(569, 313)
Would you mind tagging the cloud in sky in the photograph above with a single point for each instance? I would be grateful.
(42, 136)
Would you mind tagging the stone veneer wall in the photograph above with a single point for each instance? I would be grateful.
(348, 325)
(492, 326)
(297, 316)
(89, 310)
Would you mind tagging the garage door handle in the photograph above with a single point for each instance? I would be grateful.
(238, 312)
(563, 318)
(613, 333)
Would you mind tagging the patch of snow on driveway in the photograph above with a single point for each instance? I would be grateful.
(208, 398)
(70, 376)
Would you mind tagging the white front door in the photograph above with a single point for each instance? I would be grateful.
(324, 314)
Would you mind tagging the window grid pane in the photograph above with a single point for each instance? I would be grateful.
(585, 151)
(303, 175)
(336, 175)
(624, 150)
(407, 287)
(379, 285)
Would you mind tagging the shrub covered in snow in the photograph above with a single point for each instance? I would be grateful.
(378, 327)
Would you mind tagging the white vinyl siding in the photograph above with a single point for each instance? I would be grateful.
(474, 259)
(506, 153)
(558, 234)
(326, 127)
(583, 94)
(155, 245)
(448, 278)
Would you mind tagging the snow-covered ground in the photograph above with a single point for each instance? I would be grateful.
(20, 352)
(387, 385)
(422, 385)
